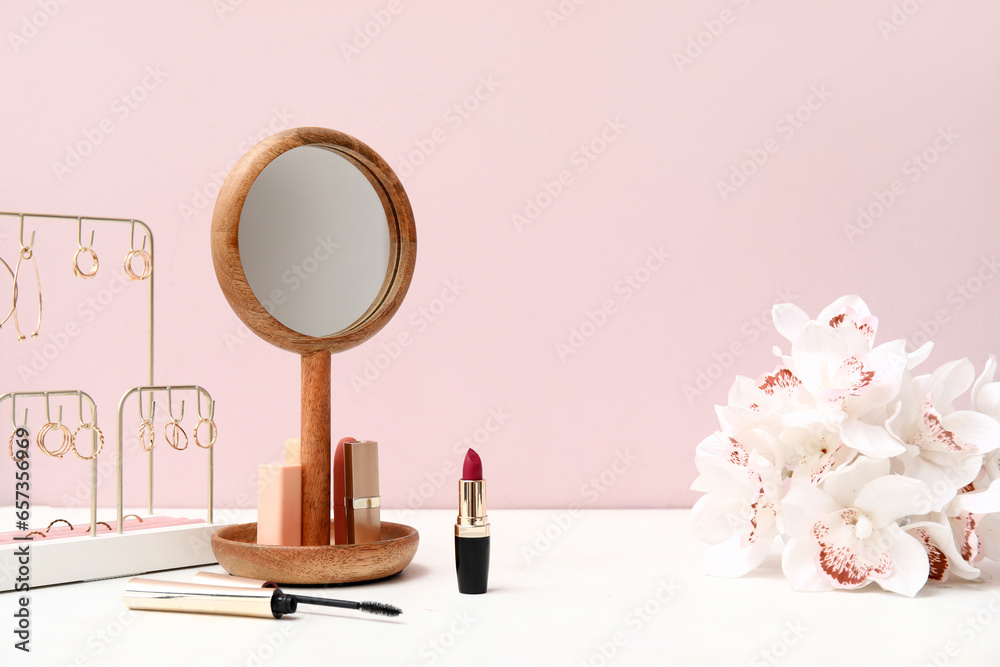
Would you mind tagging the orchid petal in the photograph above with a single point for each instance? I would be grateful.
(798, 562)
(950, 381)
(889, 498)
(919, 356)
(982, 502)
(870, 439)
(732, 559)
(974, 428)
(910, 565)
(802, 506)
(845, 484)
(984, 380)
(789, 320)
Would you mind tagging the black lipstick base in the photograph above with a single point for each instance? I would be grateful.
(472, 564)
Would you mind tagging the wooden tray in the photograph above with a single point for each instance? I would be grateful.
(239, 554)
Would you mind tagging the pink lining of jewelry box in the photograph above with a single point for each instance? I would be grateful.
(81, 529)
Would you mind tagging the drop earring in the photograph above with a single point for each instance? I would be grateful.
(147, 259)
(84, 250)
(27, 254)
(13, 300)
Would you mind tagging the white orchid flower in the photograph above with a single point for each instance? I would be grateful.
(846, 534)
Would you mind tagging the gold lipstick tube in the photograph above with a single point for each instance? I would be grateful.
(472, 520)
(362, 501)
(154, 595)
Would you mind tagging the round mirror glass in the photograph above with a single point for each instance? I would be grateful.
(314, 241)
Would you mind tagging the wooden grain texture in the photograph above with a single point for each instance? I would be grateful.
(226, 252)
(315, 449)
(236, 549)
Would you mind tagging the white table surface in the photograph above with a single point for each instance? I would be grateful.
(564, 590)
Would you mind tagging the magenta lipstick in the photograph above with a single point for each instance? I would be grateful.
(472, 530)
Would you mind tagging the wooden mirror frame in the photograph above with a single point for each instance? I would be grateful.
(315, 351)
(226, 250)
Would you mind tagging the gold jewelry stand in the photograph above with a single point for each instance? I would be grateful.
(47, 395)
(168, 390)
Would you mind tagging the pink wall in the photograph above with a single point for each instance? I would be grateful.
(595, 130)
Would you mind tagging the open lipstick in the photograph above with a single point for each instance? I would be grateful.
(472, 530)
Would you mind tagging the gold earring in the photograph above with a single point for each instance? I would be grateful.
(146, 428)
(63, 447)
(13, 301)
(99, 523)
(35, 532)
(147, 259)
(27, 254)
(175, 440)
(213, 433)
(19, 432)
(100, 435)
(84, 249)
(55, 521)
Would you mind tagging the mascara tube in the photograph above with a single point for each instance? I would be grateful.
(154, 595)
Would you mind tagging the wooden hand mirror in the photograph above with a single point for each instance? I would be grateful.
(314, 246)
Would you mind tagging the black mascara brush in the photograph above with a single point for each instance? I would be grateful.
(155, 595)
(378, 608)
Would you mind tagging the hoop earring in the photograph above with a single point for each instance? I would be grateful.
(10, 446)
(147, 259)
(100, 435)
(55, 521)
(27, 254)
(66, 443)
(175, 440)
(213, 433)
(99, 523)
(147, 265)
(80, 273)
(146, 428)
(13, 301)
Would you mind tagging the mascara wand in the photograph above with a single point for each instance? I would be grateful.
(284, 601)
(262, 602)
